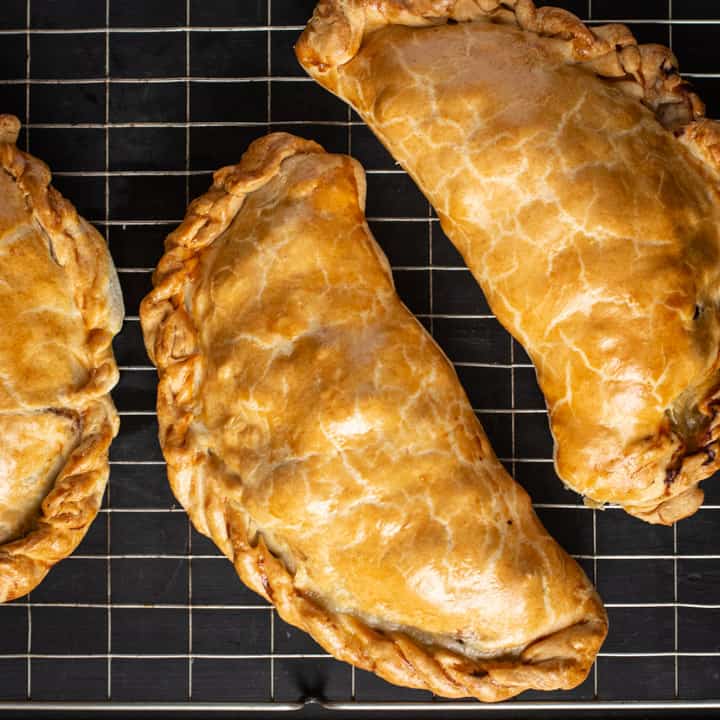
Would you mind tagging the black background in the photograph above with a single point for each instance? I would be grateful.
(133, 120)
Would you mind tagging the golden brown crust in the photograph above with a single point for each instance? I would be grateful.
(655, 475)
(211, 489)
(648, 72)
(76, 247)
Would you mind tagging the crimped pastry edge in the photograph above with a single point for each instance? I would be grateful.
(560, 660)
(74, 499)
(648, 73)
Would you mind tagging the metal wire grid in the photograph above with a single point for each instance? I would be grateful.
(107, 222)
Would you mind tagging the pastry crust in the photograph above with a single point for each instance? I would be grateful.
(575, 171)
(317, 434)
(60, 305)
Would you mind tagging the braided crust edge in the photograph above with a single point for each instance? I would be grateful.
(648, 73)
(204, 487)
(74, 499)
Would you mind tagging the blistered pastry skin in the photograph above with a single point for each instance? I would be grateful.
(60, 305)
(316, 433)
(577, 175)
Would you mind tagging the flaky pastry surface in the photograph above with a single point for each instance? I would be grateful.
(577, 175)
(316, 433)
(60, 306)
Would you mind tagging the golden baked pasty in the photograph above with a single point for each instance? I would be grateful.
(60, 305)
(316, 433)
(574, 171)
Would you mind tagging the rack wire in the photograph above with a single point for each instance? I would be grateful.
(147, 614)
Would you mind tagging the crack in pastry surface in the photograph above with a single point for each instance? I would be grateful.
(590, 226)
(304, 411)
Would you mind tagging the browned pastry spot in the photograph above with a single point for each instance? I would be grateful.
(577, 175)
(316, 433)
(60, 306)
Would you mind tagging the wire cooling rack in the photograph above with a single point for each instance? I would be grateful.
(133, 103)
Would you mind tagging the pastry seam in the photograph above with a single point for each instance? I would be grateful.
(647, 72)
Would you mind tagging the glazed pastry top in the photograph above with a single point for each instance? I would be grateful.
(304, 408)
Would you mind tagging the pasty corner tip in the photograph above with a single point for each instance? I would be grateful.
(9, 129)
(562, 660)
(262, 161)
(671, 510)
(333, 35)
